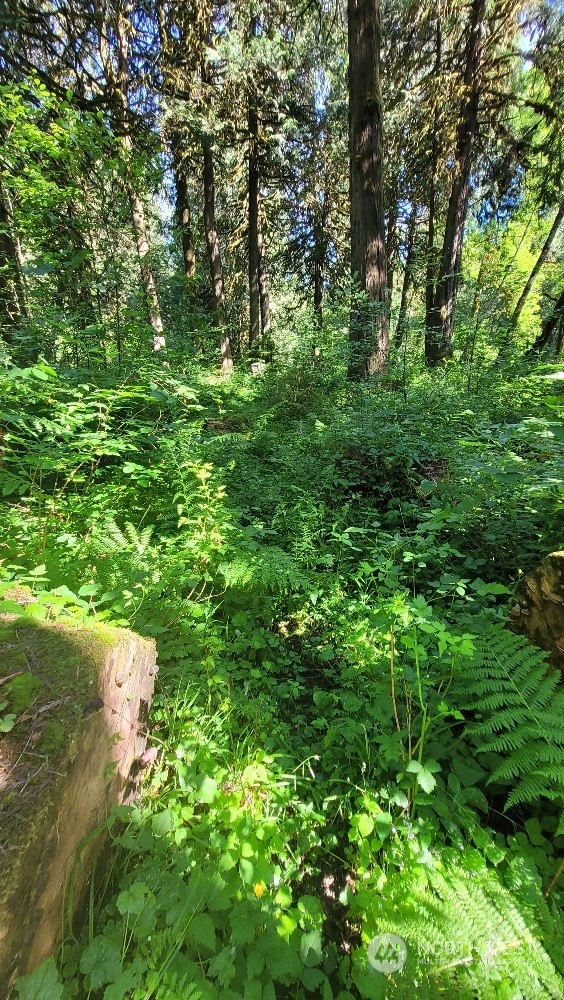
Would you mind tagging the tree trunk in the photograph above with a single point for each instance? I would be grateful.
(147, 276)
(392, 239)
(214, 258)
(541, 259)
(253, 196)
(263, 289)
(551, 325)
(407, 277)
(431, 262)
(369, 324)
(318, 261)
(439, 335)
(118, 85)
(182, 206)
(12, 293)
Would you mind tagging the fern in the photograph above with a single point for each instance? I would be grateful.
(466, 934)
(517, 703)
(270, 569)
(130, 538)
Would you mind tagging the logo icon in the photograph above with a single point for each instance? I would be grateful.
(387, 953)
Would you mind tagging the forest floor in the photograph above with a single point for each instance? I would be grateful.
(326, 570)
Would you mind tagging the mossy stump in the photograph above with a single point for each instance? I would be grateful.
(538, 611)
(76, 698)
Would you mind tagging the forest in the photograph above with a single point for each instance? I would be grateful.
(281, 387)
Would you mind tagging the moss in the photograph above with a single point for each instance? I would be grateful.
(52, 738)
(57, 666)
(21, 692)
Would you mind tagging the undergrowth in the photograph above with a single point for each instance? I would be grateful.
(348, 741)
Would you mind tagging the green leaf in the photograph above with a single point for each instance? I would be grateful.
(247, 870)
(208, 791)
(424, 773)
(255, 963)
(41, 984)
(426, 780)
(101, 960)
(202, 930)
(7, 722)
(222, 967)
(39, 570)
(536, 836)
(365, 824)
(313, 979)
(132, 900)
(286, 926)
(311, 907)
(122, 986)
(383, 822)
(242, 930)
(163, 822)
(371, 985)
(282, 958)
(310, 947)
(283, 897)
(252, 990)
(469, 772)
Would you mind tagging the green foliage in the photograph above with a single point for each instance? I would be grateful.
(340, 718)
(467, 933)
(21, 691)
(517, 701)
(43, 982)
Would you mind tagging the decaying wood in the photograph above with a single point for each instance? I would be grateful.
(538, 611)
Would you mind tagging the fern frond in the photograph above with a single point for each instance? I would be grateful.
(517, 703)
(270, 569)
(138, 539)
(466, 933)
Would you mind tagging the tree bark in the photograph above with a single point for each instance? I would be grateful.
(318, 269)
(147, 276)
(214, 258)
(439, 335)
(12, 293)
(407, 277)
(253, 196)
(540, 261)
(553, 323)
(369, 323)
(392, 239)
(431, 263)
(263, 288)
(118, 81)
(182, 206)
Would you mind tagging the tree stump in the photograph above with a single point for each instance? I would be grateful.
(538, 611)
(76, 699)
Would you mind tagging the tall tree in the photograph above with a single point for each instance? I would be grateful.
(263, 289)
(369, 324)
(182, 204)
(541, 259)
(13, 306)
(253, 194)
(118, 23)
(210, 227)
(407, 276)
(440, 318)
(214, 257)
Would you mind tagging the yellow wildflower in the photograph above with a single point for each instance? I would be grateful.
(259, 889)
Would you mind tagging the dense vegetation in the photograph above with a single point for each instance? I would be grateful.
(348, 741)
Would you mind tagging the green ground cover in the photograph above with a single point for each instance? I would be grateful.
(349, 742)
